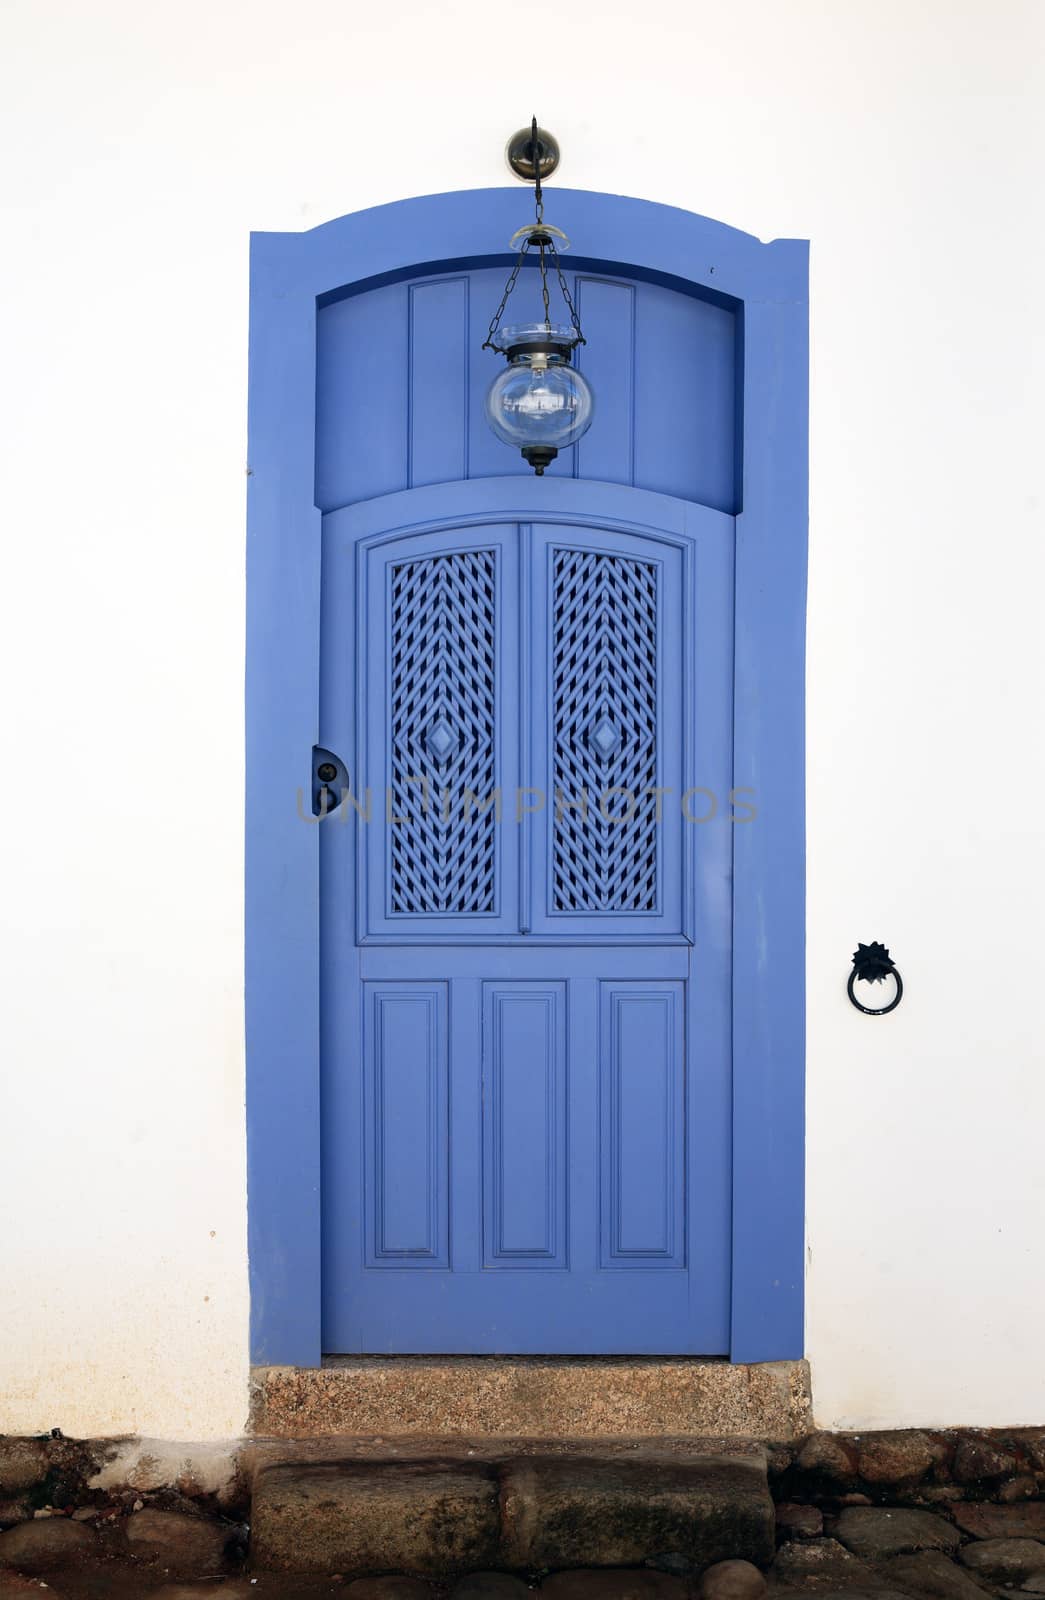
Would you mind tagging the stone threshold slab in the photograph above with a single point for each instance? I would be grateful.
(541, 1398)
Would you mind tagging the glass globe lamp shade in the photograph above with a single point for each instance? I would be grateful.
(539, 402)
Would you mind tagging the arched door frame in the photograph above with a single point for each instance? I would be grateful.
(766, 285)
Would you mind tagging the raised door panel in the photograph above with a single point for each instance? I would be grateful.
(406, 1156)
(524, 1098)
(642, 1132)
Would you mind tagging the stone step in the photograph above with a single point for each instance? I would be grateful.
(545, 1396)
(440, 1514)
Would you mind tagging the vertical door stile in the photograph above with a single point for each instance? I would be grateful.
(582, 1079)
(525, 853)
(688, 740)
(466, 1153)
(359, 773)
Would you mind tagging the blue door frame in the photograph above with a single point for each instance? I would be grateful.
(766, 286)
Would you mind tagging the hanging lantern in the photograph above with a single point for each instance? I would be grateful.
(539, 403)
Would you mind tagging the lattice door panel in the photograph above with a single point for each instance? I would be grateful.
(442, 726)
(604, 668)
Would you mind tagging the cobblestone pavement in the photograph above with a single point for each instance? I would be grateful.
(901, 1516)
(818, 1566)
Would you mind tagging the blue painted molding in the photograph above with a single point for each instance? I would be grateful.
(291, 275)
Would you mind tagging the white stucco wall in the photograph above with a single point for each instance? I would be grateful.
(142, 144)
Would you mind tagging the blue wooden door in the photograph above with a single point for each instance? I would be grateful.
(525, 920)
(464, 1135)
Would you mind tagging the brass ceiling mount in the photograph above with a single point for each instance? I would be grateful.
(520, 154)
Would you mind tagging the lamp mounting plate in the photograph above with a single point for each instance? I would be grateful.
(519, 154)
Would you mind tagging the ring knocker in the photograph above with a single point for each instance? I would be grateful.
(871, 964)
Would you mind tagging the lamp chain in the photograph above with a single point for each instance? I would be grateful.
(574, 314)
(489, 343)
(545, 241)
(538, 197)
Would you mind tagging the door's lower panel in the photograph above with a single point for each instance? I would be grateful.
(524, 1174)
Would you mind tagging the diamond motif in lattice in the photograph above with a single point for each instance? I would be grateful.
(442, 732)
(605, 731)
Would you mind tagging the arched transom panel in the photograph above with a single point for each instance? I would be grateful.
(401, 375)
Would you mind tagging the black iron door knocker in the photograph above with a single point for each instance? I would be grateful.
(872, 963)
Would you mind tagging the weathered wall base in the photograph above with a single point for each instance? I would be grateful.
(914, 1466)
(40, 1473)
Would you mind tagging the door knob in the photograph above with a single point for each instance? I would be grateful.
(329, 779)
